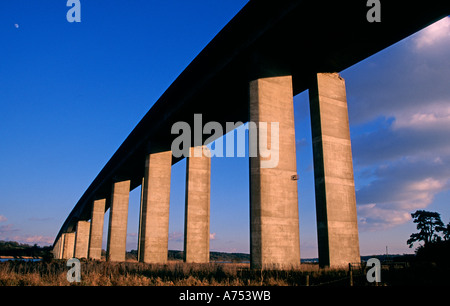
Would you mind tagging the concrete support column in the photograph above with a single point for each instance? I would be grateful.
(197, 209)
(118, 218)
(140, 224)
(154, 229)
(333, 171)
(69, 245)
(274, 225)
(58, 249)
(96, 232)
(82, 239)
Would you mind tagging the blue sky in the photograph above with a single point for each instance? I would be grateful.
(70, 93)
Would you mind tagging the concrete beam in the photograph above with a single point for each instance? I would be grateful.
(82, 239)
(69, 245)
(222, 68)
(154, 228)
(197, 209)
(96, 232)
(274, 225)
(337, 226)
(118, 219)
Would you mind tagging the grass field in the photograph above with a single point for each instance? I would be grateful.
(100, 273)
(176, 273)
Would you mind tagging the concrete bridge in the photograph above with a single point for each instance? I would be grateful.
(269, 52)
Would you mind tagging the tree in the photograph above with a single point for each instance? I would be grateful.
(429, 225)
(446, 232)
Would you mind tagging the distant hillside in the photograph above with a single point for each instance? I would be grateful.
(242, 257)
(233, 257)
(391, 257)
(213, 256)
(16, 249)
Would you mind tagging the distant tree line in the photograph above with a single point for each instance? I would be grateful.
(16, 249)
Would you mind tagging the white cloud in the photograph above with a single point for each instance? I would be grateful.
(176, 236)
(36, 239)
(373, 218)
(433, 34)
(7, 231)
(399, 188)
(429, 116)
(404, 80)
(387, 214)
(409, 138)
(428, 184)
(10, 232)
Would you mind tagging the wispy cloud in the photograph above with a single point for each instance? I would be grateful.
(413, 136)
(10, 232)
(179, 236)
(434, 34)
(36, 239)
(7, 230)
(401, 119)
(398, 190)
(373, 218)
(406, 169)
(37, 219)
(407, 82)
(176, 236)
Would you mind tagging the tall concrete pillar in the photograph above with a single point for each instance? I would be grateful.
(69, 245)
(58, 249)
(333, 172)
(96, 232)
(118, 218)
(154, 229)
(140, 224)
(82, 239)
(274, 224)
(196, 222)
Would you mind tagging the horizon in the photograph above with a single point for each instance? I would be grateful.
(238, 253)
(71, 92)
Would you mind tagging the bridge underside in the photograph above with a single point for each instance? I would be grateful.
(265, 39)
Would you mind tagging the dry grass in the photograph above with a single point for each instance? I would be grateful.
(100, 273)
